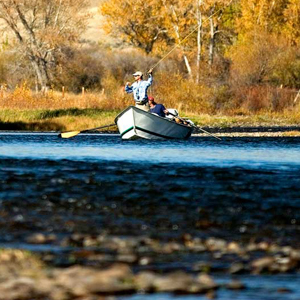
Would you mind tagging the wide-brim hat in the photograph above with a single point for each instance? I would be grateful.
(138, 73)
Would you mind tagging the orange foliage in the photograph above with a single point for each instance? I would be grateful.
(22, 98)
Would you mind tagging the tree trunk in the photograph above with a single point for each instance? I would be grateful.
(186, 61)
(211, 42)
(188, 67)
(41, 72)
(199, 39)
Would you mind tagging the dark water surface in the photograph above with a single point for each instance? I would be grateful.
(235, 189)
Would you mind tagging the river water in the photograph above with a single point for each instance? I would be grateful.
(236, 189)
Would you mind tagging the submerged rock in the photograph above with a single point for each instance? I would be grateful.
(175, 282)
(263, 264)
(238, 268)
(81, 281)
(235, 285)
(22, 288)
(40, 238)
(215, 244)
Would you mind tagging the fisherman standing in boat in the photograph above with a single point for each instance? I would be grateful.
(139, 89)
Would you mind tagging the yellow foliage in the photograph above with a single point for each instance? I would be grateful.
(292, 24)
(279, 17)
(262, 15)
(22, 98)
(139, 23)
(182, 94)
(251, 58)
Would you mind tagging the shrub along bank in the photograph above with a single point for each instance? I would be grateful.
(222, 106)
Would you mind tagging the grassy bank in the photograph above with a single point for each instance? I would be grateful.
(55, 120)
(75, 118)
(23, 109)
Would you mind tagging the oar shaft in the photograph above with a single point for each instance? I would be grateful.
(197, 127)
(100, 127)
(70, 134)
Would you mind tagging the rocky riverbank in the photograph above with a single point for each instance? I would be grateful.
(107, 265)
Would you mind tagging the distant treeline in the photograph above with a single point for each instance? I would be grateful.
(210, 56)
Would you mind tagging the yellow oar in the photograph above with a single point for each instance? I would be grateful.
(69, 134)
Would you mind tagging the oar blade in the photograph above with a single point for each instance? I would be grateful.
(68, 134)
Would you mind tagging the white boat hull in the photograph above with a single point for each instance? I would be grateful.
(134, 123)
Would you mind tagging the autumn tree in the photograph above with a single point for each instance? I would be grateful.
(138, 23)
(179, 19)
(150, 24)
(280, 17)
(214, 11)
(266, 51)
(292, 22)
(205, 18)
(261, 15)
(42, 28)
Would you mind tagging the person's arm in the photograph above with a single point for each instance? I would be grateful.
(165, 110)
(150, 78)
(128, 88)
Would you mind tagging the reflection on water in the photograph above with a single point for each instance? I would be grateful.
(239, 189)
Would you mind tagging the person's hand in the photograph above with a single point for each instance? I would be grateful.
(150, 71)
(166, 111)
(128, 83)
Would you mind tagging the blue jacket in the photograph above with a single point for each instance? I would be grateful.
(139, 89)
(159, 110)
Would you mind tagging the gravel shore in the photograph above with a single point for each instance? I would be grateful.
(252, 134)
(259, 131)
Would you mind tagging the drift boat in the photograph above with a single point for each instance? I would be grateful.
(134, 123)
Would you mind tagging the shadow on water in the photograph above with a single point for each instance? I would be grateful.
(32, 126)
(87, 112)
(122, 197)
(48, 114)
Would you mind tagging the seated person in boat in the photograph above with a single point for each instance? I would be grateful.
(158, 109)
(139, 89)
